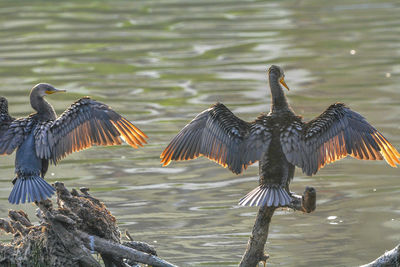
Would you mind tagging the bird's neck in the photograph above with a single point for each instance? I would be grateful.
(279, 101)
(43, 108)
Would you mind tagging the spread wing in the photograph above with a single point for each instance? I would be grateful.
(84, 124)
(12, 131)
(333, 135)
(219, 135)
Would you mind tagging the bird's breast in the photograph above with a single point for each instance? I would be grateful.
(26, 160)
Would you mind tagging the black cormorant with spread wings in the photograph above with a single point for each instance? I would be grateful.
(41, 138)
(280, 140)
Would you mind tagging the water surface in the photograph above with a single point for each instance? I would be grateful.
(161, 62)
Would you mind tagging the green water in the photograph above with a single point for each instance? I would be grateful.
(161, 62)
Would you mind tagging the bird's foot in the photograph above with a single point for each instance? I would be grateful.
(264, 259)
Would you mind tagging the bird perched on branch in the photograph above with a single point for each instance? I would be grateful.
(41, 138)
(280, 140)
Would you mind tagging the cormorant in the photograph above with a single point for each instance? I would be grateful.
(280, 140)
(42, 137)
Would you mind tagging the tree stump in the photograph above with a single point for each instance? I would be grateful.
(68, 235)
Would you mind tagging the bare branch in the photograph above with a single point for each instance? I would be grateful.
(104, 246)
(255, 247)
(389, 259)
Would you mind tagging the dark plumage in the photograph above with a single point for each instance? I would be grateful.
(5, 118)
(280, 140)
(42, 137)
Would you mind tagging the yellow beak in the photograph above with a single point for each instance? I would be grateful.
(56, 91)
(282, 81)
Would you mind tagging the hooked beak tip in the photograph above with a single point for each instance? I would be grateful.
(282, 81)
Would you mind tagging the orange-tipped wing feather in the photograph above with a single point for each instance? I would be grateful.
(219, 135)
(335, 134)
(391, 155)
(86, 123)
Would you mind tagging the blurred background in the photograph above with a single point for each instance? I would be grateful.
(162, 62)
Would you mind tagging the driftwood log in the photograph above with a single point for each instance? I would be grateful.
(70, 234)
(388, 259)
(255, 247)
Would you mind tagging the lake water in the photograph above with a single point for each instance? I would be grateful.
(161, 62)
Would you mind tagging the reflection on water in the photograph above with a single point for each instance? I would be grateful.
(161, 63)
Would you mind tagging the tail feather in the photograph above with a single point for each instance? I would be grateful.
(35, 191)
(23, 191)
(48, 190)
(30, 185)
(257, 198)
(15, 192)
(266, 196)
(276, 197)
(31, 196)
(29, 189)
(19, 191)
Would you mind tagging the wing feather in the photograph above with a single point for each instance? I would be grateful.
(13, 133)
(333, 135)
(86, 123)
(219, 135)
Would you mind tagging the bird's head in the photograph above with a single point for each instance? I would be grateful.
(277, 73)
(43, 89)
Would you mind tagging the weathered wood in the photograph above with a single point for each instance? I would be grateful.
(255, 246)
(70, 242)
(104, 246)
(69, 234)
(388, 259)
(306, 202)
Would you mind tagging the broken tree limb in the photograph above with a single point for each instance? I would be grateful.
(69, 234)
(306, 202)
(389, 259)
(103, 246)
(255, 247)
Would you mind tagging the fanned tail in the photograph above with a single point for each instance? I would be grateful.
(29, 189)
(272, 196)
